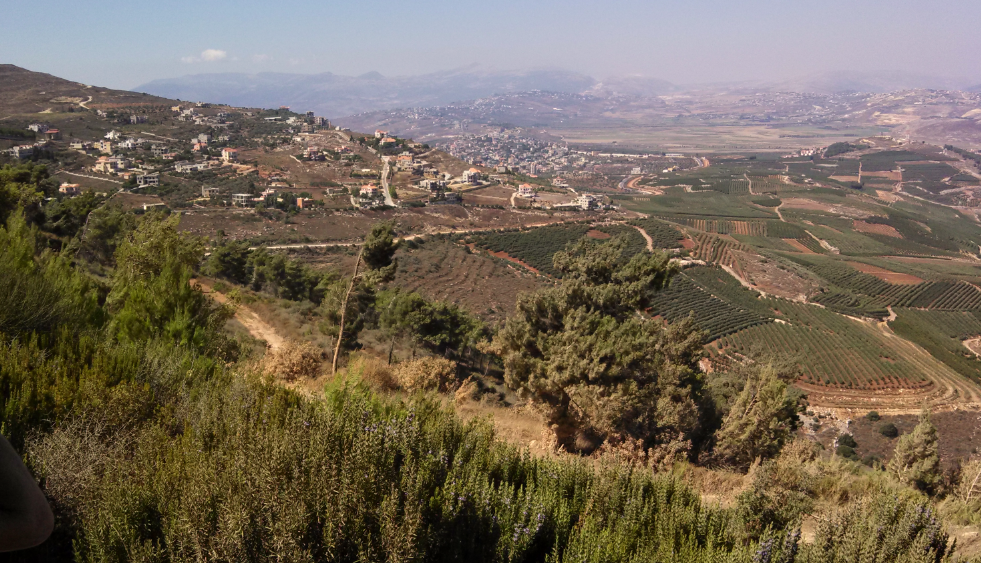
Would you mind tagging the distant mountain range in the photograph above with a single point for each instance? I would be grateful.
(334, 95)
(338, 96)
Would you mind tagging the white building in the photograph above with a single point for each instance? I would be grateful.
(472, 176)
(146, 180)
(22, 151)
(242, 200)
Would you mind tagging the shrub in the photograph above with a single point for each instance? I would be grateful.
(374, 372)
(847, 440)
(872, 416)
(293, 360)
(871, 460)
(426, 374)
(888, 430)
(916, 461)
(847, 452)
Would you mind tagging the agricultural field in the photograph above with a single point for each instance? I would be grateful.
(534, 247)
(849, 254)
(714, 316)
(480, 283)
(943, 334)
(662, 234)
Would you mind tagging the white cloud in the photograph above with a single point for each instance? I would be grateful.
(213, 55)
(208, 55)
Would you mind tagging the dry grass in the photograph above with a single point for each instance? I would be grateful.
(426, 374)
(293, 360)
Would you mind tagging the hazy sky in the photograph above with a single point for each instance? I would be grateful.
(123, 44)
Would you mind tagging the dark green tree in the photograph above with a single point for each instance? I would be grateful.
(152, 295)
(599, 368)
(916, 460)
(761, 419)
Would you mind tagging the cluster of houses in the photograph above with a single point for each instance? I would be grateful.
(42, 134)
(585, 202)
(314, 154)
(248, 200)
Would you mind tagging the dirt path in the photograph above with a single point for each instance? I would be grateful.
(91, 177)
(750, 184)
(647, 237)
(158, 136)
(258, 328)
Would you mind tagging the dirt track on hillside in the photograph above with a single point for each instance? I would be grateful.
(258, 328)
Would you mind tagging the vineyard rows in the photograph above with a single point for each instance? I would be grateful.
(942, 334)
(725, 186)
(534, 247)
(851, 360)
(724, 226)
(717, 250)
(770, 185)
(927, 172)
(718, 282)
(711, 314)
(940, 295)
(662, 234)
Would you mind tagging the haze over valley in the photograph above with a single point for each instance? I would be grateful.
(497, 281)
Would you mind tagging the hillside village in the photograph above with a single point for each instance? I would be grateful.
(272, 159)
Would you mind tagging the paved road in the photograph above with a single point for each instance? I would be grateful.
(388, 196)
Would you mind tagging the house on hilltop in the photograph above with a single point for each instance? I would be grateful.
(472, 176)
(526, 190)
(147, 180)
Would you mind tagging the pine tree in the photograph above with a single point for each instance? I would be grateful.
(762, 419)
(916, 461)
(595, 365)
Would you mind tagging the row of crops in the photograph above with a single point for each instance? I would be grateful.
(875, 293)
(941, 295)
(718, 282)
(724, 226)
(942, 334)
(927, 172)
(662, 234)
(717, 250)
(849, 303)
(716, 317)
(537, 246)
(726, 186)
(853, 359)
(534, 247)
(771, 185)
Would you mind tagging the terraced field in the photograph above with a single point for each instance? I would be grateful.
(882, 292)
(447, 271)
(847, 362)
(716, 317)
